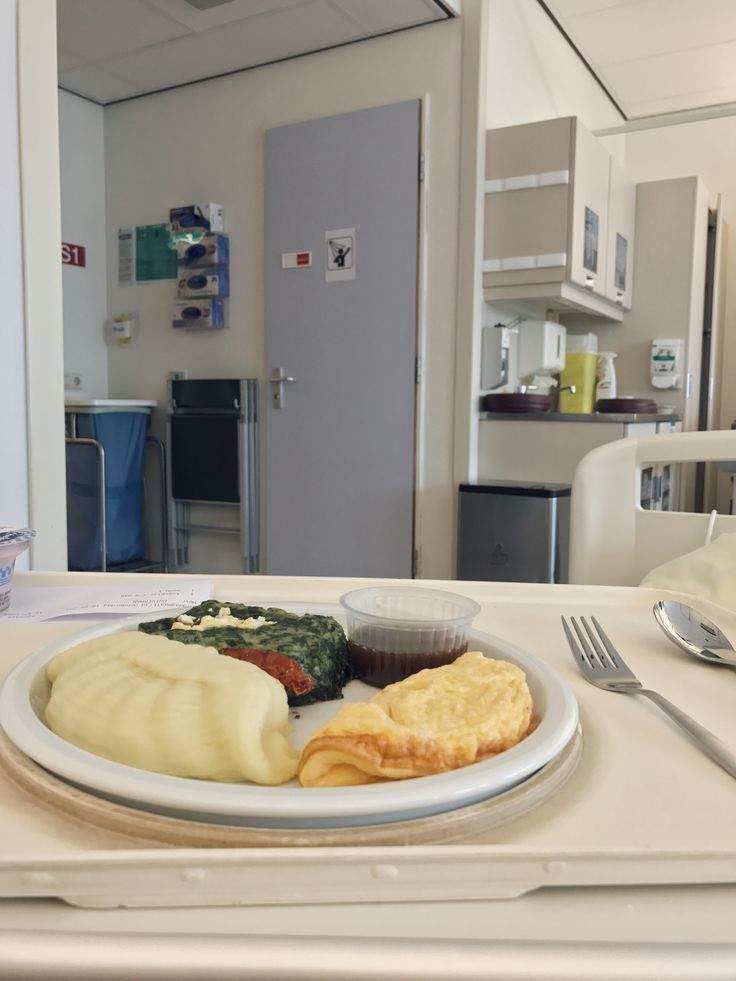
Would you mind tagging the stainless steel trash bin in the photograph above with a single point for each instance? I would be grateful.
(513, 532)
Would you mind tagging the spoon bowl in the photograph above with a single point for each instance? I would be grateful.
(694, 633)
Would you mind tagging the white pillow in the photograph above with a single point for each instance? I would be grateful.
(708, 572)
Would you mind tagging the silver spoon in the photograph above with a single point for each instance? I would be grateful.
(694, 633)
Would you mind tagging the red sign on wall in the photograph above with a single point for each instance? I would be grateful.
(73, 255)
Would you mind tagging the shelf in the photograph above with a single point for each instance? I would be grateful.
(563, 297)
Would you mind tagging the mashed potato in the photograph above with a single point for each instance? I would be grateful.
(173, 708)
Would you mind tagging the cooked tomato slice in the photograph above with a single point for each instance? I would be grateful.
(281, 667)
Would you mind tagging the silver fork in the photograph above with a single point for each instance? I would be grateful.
(603, 666)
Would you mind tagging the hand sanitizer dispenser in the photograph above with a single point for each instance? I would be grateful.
(666, 363)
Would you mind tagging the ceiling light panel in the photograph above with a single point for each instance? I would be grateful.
(104, 29)
(204, 20)
(207, 4)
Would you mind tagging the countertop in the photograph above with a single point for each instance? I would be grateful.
(619, 417)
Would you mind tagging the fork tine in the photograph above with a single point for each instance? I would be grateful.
(602, 659)
(591, 660)
(612, 652)
(576, 649)
(574, 646)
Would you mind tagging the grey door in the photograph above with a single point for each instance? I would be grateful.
(339, 480)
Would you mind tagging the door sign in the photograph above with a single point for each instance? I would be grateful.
(73, 255)
(296, 260)
(340, 255)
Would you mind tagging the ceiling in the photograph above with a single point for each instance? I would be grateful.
(110, 50)
(652, 56)
(656, 56)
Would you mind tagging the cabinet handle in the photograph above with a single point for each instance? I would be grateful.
(589, 282)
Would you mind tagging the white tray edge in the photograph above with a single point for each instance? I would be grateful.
(229, 877)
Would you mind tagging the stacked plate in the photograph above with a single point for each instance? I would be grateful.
(516, 402)
(627, 404)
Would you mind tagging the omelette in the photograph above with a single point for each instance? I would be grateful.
(436, 720)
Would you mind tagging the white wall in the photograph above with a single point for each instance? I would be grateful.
(82, 152)
(14, 482)
(31, 395)
(705, 149)
(41, 212)
(471, 212)
(205, 143)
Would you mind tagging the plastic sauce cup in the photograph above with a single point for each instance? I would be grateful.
(395, 631)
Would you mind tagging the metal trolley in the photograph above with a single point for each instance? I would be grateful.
(99, 508)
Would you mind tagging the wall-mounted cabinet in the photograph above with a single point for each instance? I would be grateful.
(559, 219)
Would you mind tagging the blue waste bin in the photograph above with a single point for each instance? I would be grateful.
(121, 432)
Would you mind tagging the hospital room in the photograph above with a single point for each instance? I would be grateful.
(372, 434)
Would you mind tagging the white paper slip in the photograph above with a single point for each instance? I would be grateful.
(31, 604)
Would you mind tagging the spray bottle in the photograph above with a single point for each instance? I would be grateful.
(606, 387)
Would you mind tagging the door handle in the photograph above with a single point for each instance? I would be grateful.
(278, 379)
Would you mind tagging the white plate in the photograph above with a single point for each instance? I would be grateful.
(290, 805)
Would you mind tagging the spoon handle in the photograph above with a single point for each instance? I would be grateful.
(711, 745)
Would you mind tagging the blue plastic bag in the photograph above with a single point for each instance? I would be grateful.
(123, 438)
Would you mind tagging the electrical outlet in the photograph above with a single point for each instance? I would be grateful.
(72, 380)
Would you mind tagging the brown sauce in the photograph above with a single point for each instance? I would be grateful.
(381, 668)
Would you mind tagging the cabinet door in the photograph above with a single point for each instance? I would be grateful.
(589, 220)
(620, 249)
(527, 202)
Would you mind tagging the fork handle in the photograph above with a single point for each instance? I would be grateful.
(710, 744)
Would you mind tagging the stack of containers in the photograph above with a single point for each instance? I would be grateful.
(203, 261)
(581, 361)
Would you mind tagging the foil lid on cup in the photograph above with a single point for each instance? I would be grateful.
(10, 535)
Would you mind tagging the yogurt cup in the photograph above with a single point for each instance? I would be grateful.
(13, 541)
